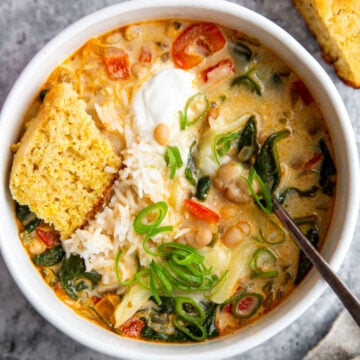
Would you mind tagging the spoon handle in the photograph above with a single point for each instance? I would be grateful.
(341, 290)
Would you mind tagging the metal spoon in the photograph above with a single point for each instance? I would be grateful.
(341, 290)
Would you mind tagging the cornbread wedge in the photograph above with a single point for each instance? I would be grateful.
(336, 25)
(59, 168)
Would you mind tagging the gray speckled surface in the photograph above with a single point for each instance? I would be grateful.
(25, 26)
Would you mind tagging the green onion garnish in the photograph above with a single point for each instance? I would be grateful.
(265, 194)
(199, 105)
(152, 234)
(247, 305)
(156, 211)
(173, 159)
(222, 144)
(262, 259)
(248, 79)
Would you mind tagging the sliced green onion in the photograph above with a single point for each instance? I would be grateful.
(158, 210)
(173, 159)
(153, 287)
(261, 259)
(222, 144)
(266, 196)
(248, 79)
(277, 236)
(247, 305)
(117, 272)
(152, 234)
(190, 176)
(182, 274)
(190, 330)
(162, 276)
(197, 313)
(199, 114)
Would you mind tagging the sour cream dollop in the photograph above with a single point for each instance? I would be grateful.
(160, 99)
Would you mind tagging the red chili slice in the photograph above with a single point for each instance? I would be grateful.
(313, 161)
(195, 43)
(201, 211)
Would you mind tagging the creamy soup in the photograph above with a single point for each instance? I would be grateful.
(205, 124)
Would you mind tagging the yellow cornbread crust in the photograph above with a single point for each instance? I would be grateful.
(336, 26)
(59, 168)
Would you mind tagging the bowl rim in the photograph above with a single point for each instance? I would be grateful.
(313, 285)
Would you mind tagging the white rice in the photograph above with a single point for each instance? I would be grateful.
(143, 180)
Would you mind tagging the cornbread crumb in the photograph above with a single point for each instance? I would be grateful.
(336, 25)
(59, 168)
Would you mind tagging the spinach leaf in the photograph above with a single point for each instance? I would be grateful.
(50, 256)
(72, 269)
(203, 187)
(149, 333)
(327, 170)
(302, 193)
(210, 320)
(240, 50)
(267, 163)
(304, 263)
(248, 146)
(22, 211)
(167, 305)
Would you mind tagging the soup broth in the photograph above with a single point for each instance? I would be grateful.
(204, 123)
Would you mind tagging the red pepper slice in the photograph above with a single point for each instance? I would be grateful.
(201, 211)
(48, 237)
(132, 327)
(225, 67)
(95, 299)
(303, 91)
(313, 161)
(117, 63)
(195, 43)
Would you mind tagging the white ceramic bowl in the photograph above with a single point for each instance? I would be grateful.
(233, 16)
